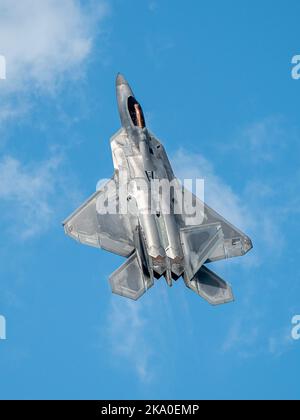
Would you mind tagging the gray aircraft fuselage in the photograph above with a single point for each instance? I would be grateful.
(156, 238)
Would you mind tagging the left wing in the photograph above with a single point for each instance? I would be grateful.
(111, 232)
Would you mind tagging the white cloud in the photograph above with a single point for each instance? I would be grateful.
(243, 338)
(280, 342)
(44, 40)
(30, 195)
(218, 194)
(126, 331)
(249, 336)
(153, 6)
(261, 142)
(257, 209)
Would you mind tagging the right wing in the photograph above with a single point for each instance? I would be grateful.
(235, 242)
(111, 232)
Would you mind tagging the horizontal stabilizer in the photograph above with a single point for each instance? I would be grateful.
(131, 280)
(211, 287)
(198, 243)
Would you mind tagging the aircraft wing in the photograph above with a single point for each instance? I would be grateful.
(235, 242)
(111, 232)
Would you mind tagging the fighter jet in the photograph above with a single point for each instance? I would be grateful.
(165, 233)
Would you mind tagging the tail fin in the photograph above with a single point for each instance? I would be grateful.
(131, 280)
(211, 287)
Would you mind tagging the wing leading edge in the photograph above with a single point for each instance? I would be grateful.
(235, 243)
(111, 232)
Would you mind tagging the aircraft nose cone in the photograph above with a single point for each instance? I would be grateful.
(121, 80)
(123, 88)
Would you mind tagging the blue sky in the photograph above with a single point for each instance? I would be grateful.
(215, 82)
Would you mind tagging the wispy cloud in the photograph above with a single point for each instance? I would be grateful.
(9, 111)
(158, 48)
(262, 141)
(280, 342)
(242, 338)
(261, 207)
(45, 43)
(246, 335)
(152, 6)
(30, 194)
(218, 194)
(127, 332)
(45, 40)
(250, 336)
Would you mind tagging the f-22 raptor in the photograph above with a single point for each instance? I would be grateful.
(172, 234)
